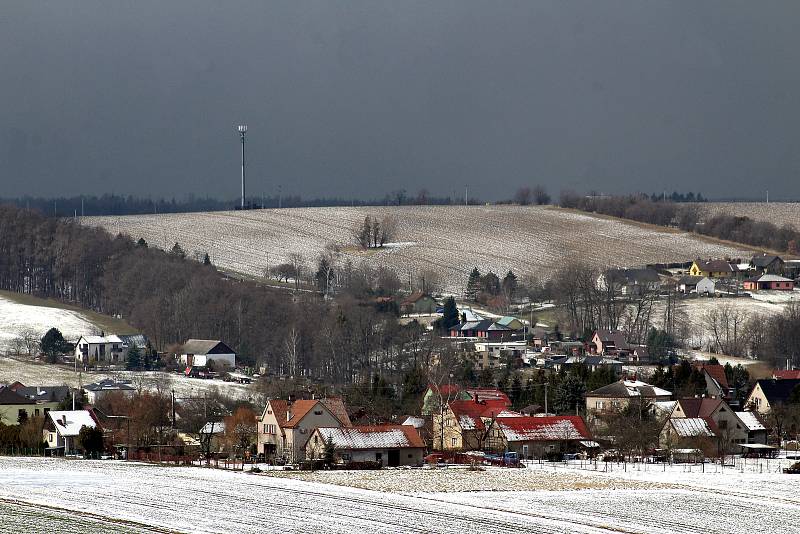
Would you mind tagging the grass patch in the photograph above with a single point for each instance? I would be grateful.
(104, 322)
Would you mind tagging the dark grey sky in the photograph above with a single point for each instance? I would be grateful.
(361, 98)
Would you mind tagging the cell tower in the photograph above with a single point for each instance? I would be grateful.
(242, 131)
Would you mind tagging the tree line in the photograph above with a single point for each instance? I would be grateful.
(171, 298)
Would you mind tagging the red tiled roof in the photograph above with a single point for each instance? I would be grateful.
(299, 409)
(469, 412)
(701, 407)
(715, 371)
(792, 374)
(554, 428)
(488, 394)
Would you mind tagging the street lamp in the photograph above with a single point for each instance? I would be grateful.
(242, 131)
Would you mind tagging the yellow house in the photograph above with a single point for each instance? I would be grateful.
(13, 405)
(713, 269)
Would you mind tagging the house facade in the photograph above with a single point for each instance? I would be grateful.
(13, 406)
(713, 269)
(100, 349)
(729, 430)
(535, 437)
(769, 282)
(390, 445)
(618, 395)
(61, 429)
(199, 352)
(770, 392)
(285, 426)
(463, 425)
(418, 302)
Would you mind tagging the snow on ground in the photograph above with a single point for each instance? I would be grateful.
(448, 239)
(15, 317)
(33, 373)
(562, 498)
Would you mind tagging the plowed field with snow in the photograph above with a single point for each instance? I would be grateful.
(448, 239)
(87, 496)
(779, 213)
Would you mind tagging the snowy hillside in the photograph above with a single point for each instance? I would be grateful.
(15, 318)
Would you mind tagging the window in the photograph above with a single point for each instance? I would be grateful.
(37, 412)
(453, 441)
(269, 429)
(345, 456)
(317, 412)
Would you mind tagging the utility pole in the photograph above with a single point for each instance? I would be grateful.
(242, 131)
(466, 195)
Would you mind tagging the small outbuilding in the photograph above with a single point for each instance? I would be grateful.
(198, 352)
(390, 445)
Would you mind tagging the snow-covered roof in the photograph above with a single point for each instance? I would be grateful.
(373, 437)
(773, 278)
(552, 428)
(217, 427)
(109, 385)
(750, 421)
(96, 340)
(691, 427)
(416, 422)
(665, 406)
(629, 388)
(69, 423)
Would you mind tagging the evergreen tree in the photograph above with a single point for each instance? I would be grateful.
(491, 283)
(206, 259)
(91, 441)
(54, 345)
(510, 284)
(141, 243)
(569, 394)
(473, 284)
(330, 451)
(134, 359)
(177, 251)
(450, 316)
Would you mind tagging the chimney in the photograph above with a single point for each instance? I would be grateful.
(288, 415)
(64, 420)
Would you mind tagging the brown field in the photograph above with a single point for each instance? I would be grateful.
(779, 213)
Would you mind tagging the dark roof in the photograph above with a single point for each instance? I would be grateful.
(699, 406)
(715, 266)
(205, 346)
(689, 280)
(9, 397)
(764, 260)
(616, 337)
(778, 390)
(45, 393)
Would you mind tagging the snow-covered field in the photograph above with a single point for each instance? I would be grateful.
(778, 213)
(33, 373)
(15, 317)
(448, 239)
(87, 496)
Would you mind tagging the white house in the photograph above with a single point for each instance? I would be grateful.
(107, 349)
(61, 428)
(706, 286)
(198, 352)
(98, 390)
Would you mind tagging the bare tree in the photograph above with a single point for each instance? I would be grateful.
(726, 325)
(298, 268)
(540, 195)
(429, 281)
(388, 230)
(292, 346)
(523, 196)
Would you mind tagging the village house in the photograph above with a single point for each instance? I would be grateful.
(716, 381)
(617, 396)
(463, 425)
(99, 390)
(757, 430)
(418, 302)
(630, 281)
(492, 355)
(694, 436)
(14, 407)
(486, 329)
(437, 396)
(701, 285)
(45, 398)
(389, 445)
(769, 282)
(100, 349)
(199, 352)
(713, 269)
(614, 343)
(592, 363)
(423, 425)
(766, 264)
(771, 392)
(511, 322)
(729, 430)
(61, 429)
(286, 425)
(535, 437)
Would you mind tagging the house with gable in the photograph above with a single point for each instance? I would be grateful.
(286, 425)
(729, 430)
(61, 429)
(535, 437)
(418, 302)
(766, 264)
(389, 445)
(618, 395)
(199, 352)
(769, 282)
(464, 423)
(716, 381)
(713, 269)
(771, 392)
(691, 436)
(630, 281)
(13, 406)
(437, 396)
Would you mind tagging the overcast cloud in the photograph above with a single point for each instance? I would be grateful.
(361, 98)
